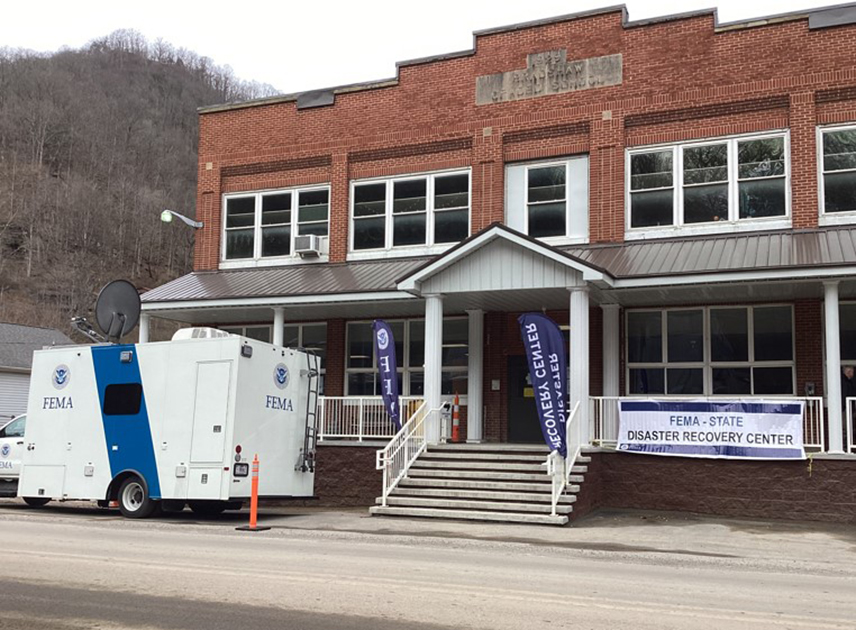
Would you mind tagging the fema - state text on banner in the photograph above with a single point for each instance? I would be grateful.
(549, 73)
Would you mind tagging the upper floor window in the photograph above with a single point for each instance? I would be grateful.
(410, 211)
(263, 225)
(838, 170)
(733, 180)
(548, 199)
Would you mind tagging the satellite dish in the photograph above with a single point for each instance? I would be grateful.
(117, 310)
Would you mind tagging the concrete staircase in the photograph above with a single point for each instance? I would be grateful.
(482, 482)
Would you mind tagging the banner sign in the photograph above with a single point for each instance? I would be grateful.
(545, 350)
(727, 429)
(388, 368)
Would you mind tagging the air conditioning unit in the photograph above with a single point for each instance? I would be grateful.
(307, 245)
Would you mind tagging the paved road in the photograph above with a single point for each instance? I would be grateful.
(67, 568)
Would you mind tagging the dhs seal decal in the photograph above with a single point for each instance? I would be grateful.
(61, 376)
(280, 379)
(280, 376)
(5, 450)
(382, 339)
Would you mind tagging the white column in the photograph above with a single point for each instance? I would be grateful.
(278, 326)
(579, 357)
(433, 361)
(833, 367)
(611, 352)
(144, 328)
(475, 421)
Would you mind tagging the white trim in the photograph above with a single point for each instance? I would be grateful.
(589, 273)
(733, 223)
(797, 273)
(376, 296)
(834, 218)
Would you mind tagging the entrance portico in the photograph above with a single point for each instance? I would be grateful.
(503, 270)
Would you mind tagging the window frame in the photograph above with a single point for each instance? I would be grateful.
(389, 249)
(733, 223)
(833, 218)
(403, 366)
(257, 259)
(708, 364)
(569, 237)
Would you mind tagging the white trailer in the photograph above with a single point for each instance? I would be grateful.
(161, 424)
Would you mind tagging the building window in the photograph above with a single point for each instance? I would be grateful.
(410, 211)
(263, 225)
(734, 180)
(711, 351)
(309, 337)
(548, 199)
(838, 170)
(361, 376)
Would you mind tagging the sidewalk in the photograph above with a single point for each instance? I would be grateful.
(613, 531)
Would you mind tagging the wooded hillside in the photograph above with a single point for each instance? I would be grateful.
(94, 144)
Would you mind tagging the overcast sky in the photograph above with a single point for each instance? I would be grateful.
(297, 45)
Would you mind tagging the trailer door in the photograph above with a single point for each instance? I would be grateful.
(210, 412)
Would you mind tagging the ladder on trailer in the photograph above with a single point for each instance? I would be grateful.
(306, 462)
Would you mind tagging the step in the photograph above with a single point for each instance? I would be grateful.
(506, 517)
(461, 484)
(475, 456)
(490, 495)
(487, 448)
(462, 504)
(467, 465)
(424, 473)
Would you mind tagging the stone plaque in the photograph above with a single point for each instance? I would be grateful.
(548, 73)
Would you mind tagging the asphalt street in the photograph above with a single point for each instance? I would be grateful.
(77, 567)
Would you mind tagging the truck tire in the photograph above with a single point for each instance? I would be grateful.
(134, 499)
(36, 501)
(208, 508)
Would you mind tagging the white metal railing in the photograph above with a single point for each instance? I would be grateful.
(558, 468)
(850, 407)
(403, 449)
(603, 417)
(360, 417)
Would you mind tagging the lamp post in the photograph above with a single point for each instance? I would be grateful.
(167, 215)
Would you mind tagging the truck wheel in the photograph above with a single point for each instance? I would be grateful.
(36, 501)
(134, 500)
(208, 508)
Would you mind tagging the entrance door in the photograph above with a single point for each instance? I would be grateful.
(523, 424)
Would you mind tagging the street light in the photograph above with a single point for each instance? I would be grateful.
(167, 215)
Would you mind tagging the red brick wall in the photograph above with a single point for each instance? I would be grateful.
(681, 80)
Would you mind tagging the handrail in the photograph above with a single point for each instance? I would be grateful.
(560, 469)
(403, 449)
(851, 438)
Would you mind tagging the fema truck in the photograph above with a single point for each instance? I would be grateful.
(159, 425)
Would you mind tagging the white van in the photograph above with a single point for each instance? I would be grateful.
(163, 424)
(11, 447)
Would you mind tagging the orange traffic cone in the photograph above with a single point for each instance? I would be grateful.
(254, 502)
(456, 420)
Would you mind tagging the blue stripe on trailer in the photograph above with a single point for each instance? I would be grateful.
(130, 434)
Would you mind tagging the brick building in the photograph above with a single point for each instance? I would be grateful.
(679, 194)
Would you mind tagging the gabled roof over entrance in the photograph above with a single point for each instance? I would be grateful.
(499, 259)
